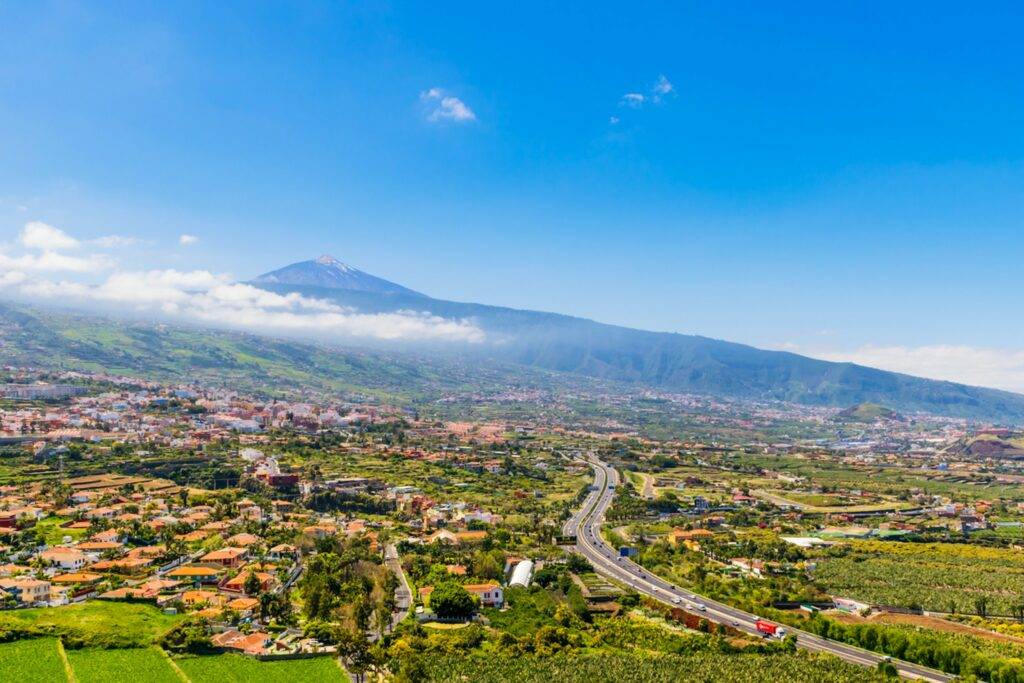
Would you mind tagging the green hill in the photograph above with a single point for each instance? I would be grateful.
(868, 412)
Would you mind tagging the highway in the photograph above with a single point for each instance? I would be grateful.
(585, 525)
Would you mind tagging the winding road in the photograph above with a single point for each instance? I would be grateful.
(585, 525)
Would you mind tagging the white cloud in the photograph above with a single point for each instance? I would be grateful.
(444, 107)
(187, 240)
(613, 120)
(54, 262)
(633, 99)
(12, 277)
(114, 241)
(39, 235)
(977, 366)
(203, 296)
(661, 89)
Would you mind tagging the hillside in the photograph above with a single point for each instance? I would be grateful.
(867, 412)
(70, 341)
(682, 363)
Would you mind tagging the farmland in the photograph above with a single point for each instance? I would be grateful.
(138, 664)
(31, 661)
(39, 661)
(942, 577)
(708, 666)
(231, 668)
(91, 624)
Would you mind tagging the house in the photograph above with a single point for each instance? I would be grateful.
(195, 573)
(201, 598)
(281, 551)
(124, 565)
(319, 531)
(69, 559)
(677, 535)
(489, 593)
(243, 540)
(75, 578)
(244, 606)
(236, 584)
(98, 546)
(27, 591)
(229, 557)
(252, 644)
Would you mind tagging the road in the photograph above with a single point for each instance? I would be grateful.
(586, 526)
(403, 593)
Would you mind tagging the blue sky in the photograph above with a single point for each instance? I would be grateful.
(845, 181)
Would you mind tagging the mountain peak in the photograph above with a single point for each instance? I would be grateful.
(328, 260)
(332, 273)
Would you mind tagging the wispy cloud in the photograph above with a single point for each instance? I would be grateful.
(977, 366)
(445, 107)
(115, 241)
(656, 94)
(634, 100)
(662, 88)
(187, 240)
(202, 296)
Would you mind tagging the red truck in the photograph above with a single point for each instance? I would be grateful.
(768, 629)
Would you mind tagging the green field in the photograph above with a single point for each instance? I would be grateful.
(706, 667)
(935, 576)
(238, 669)
(136, 665)
(95, 623)
(31, 661)
(54, 534)
(38, 661)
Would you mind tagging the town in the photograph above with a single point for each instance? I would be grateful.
(233, 517)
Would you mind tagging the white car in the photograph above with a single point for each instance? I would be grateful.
(675, 601)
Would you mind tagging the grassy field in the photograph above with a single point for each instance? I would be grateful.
(31, 661)
(54, 534)
(136, 665)
(94, 623)
(38, 660)
(238, 669)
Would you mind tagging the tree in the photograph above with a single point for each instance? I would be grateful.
(579, 564)
(450, 599)
(981, 606)
(276, 606)
(252, 585)
(188, 636)
(1017, 609)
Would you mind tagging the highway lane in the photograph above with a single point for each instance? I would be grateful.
(586, 525)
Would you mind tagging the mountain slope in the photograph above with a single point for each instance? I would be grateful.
(684, 363)
(70, 341)
(330, 273)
